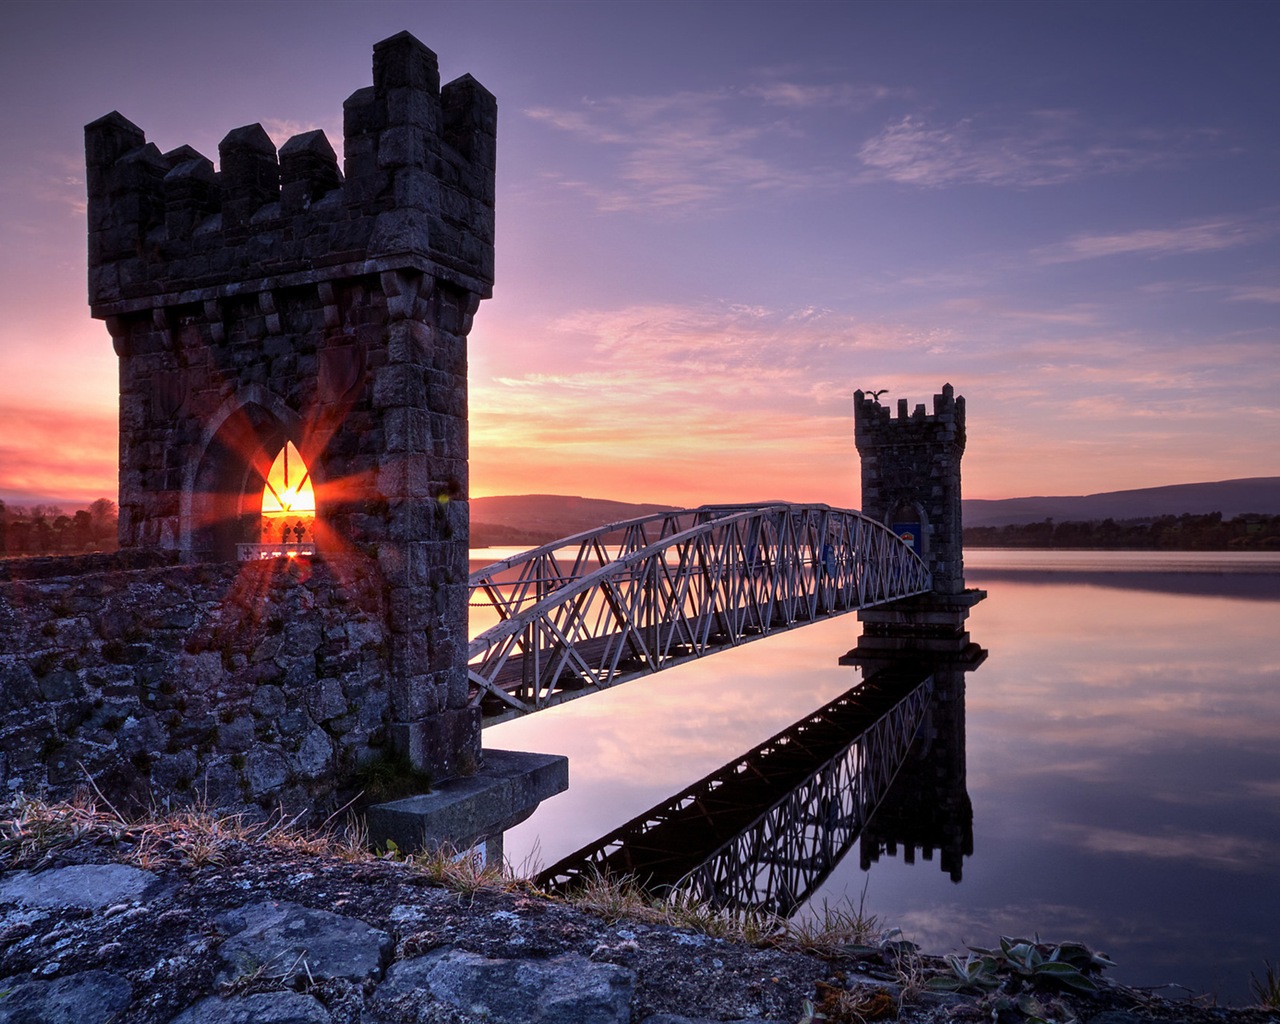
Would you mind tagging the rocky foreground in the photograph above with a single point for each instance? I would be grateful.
(194, 921)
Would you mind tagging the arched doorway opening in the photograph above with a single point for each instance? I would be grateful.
(910, 522)
(250, 482)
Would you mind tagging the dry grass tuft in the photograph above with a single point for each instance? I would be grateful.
(622, 899)
(836, 927)
(461, 871)
(851, 1006)
(913, 978)
(33, 832)
(1267, 988)
(833, 929)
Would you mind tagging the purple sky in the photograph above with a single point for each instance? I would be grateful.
(717, 220)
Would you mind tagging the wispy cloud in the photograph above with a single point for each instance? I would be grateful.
(283, 129)
(674, 151)
(801, 95)
(1039, 148)
(1255, 293)
(704, 148)
(54, 180)
(1213, 235)
(685, 393)
(1235, 853)
(65, 455)
(736, 347)
(712, 146)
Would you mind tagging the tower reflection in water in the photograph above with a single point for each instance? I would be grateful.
(883, 765)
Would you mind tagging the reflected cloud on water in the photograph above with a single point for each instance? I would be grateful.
(1120, 749)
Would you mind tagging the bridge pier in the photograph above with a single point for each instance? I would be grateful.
(927, 808)
(911, 481)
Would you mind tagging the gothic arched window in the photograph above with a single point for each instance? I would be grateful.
(288, 491)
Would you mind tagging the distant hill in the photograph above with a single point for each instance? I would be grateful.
(533, 519)
(528, 520)
(1260, 494)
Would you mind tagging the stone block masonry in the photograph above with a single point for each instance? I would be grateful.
(279, 299)
(261, 685)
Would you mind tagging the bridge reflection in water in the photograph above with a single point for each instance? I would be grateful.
(883, 763)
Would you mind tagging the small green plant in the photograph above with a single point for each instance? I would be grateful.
(1022, 964)
(390, 777)
(1267, 988)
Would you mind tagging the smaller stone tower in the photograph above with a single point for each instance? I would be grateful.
(911, 477)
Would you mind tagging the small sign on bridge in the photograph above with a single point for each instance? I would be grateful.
(910, 534)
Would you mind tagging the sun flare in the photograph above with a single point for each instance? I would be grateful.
(288, 490)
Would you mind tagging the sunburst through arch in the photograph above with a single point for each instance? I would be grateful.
(288, 491)
(288, 509)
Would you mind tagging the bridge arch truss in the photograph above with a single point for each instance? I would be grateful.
(631, 598)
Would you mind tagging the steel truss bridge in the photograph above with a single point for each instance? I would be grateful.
(766, 830)
(628, 599)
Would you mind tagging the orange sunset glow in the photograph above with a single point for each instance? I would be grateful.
(707, 240)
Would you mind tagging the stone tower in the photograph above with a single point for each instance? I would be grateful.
(280, 300)
(911, 477)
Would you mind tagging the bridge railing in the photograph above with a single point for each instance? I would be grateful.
(634, 597)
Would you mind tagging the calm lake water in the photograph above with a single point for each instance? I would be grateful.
(1123, 760)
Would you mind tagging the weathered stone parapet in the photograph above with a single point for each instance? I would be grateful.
(911, 475)
(257, 685)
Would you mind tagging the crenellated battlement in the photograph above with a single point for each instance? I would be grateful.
(911, 476)
(875, 424)
(416, 192)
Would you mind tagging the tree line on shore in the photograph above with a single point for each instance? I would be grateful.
(48, 530)
(1188, 532)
